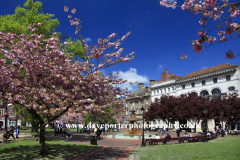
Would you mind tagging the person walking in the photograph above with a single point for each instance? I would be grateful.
(98, 133)
(11, 131)
(17, 132)
(178, 132)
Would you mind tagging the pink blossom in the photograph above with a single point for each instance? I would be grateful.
(223, 39)
(230, 55)
(202, 22)
(65, 9)
(183, 56)
(203, 33)
(235, 13)
(73, 10)
(221, 33)
(211, 39)
(66, 43)
(39, 24)
(112, 36)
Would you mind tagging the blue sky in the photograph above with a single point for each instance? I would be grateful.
(159, 35)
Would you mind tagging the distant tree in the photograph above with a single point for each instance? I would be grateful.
(186, 106)
(32, 13)
(107, 115)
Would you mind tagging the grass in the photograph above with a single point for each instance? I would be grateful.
(26, 149)
(221, 148)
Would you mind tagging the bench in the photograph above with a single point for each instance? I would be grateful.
(180, 139)
(232, 132)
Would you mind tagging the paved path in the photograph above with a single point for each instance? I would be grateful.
(110, 149)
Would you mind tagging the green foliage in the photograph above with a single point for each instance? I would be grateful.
(75, 49)
(26, 116)
(26, 128)
(107, 115)
(32, 13)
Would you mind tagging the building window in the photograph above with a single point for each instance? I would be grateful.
(205, 94)
(161, 90)
(116, 113)
(112, 107)
(172, 88)
(214, 80)
(203, 83)
(157, 91)
(228, 78)
(72, 111)
(193, 84)
(165, 90)
(168, 89)
(216, 93)
(231, 88)
(1, 112)
(154, 92)
(183, 86)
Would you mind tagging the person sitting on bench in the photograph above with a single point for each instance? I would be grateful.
(235, 131)
(189, 135)
(68, 132)
(185, 135)
(168, 136)
(157, 136)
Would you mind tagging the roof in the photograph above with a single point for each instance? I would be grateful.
(140, 91)
(208, 70)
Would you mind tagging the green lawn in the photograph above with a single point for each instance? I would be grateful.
(221, 148)
(26, 150)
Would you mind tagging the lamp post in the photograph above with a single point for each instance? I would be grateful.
(123, 122)
(77, 124)
(143, 144)
(205, 112)
(222, 114)
(5, 128)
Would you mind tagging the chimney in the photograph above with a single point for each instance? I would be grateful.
(152, 82)
(140, 85)
(166, 74)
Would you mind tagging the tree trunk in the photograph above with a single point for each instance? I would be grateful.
(34, 130)
(42, 139)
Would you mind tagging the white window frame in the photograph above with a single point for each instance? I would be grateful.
(2, 112)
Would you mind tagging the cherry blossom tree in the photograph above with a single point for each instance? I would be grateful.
(50, 83)
(72, 119)
(222, 12)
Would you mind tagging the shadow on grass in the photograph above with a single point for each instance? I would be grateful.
(26, 150)
(108, 153)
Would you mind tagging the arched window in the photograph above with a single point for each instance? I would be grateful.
(205, 94)
(216, 93)
(232, 88)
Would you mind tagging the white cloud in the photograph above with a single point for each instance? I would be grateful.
(131, 76)
(160, 67)
(88, 40)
